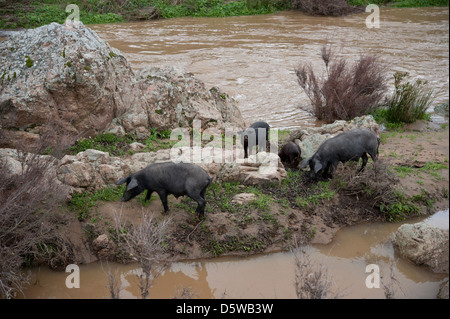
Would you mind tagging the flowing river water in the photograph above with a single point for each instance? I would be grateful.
(253, 59)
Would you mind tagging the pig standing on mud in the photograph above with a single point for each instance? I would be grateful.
(350, 145)
(290, 153)
(249, 137)
(168, 178)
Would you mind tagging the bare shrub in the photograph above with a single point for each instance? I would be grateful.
(29, 192)
(114, 282)
(144, 244)
(312, 281)
(325, 7)
(184, 293)
(376, 185)
(347, 90)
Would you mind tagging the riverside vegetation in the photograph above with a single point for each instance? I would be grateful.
(31, 14)
(398, 186)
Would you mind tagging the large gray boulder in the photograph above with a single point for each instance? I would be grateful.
(59, 80)
(63, 76)
(424, 244)
(442, 109)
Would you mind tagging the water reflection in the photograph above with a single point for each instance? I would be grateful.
(263, 276)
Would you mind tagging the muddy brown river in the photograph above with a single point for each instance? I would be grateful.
(253, 59)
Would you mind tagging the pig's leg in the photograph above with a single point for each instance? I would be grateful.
(163, 196)
(364, 158)
(200, 201)
(149, 194)
(332, 168)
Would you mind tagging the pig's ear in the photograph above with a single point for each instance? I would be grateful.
(132, 184)
(317, 166)
(305, 163)
(122, 180)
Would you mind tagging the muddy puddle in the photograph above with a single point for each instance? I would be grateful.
(253, 57)
(264, 276)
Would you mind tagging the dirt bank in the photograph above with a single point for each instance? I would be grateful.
(300, 209)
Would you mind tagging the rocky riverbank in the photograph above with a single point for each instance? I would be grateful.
(251, 211)
(63, 80)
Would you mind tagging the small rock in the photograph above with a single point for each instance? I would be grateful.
(100, 242)
(442, 109)
(103, 246)
(65, 79)
(422, 126)
(443, 291)
(243, 198)
(136, 146)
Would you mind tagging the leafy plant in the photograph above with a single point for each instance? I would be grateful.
(398, 209)
(410, 100)
(321, 192)
(105, 142)
(82, 203)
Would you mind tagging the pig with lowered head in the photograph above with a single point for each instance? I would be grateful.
(350, 145)
(168, 178)
(249, 137)
(290, 154)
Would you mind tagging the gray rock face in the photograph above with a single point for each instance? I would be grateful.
(424, 244)
(90, 170)
(443, 291)
(172, 98)
(64, 74)
(67, 80)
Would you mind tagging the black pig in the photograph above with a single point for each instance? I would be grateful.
(290, 153)
(168, 178)
(249, 137)
(350, 145)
